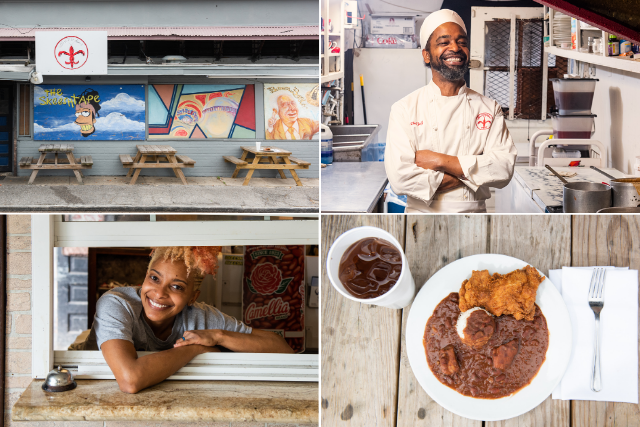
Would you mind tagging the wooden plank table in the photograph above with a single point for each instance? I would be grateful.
(57, 163)
(267, 160)
(366, 376)
(164, 156)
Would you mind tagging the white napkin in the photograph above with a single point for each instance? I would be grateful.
(618, 335)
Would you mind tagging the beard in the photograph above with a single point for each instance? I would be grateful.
(451, 73)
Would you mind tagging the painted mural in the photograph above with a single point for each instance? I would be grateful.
(88, 112)
(202, 111)
(291, 110)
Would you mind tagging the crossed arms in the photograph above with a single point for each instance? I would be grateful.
(439, 162)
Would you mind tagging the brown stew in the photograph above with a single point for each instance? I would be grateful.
(504, 365)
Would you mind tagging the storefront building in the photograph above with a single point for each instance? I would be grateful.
(203, 77)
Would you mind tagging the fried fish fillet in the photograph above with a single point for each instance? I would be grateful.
(513, 293)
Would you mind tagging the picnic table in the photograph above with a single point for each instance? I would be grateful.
(57, 163)
(366, 376)
(267, 160)
(159, 156)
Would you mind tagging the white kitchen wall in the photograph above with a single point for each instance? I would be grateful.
(389, 75)
(616, 102)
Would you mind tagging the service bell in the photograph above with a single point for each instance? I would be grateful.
(59, 380)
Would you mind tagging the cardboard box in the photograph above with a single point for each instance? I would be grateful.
(393, 25)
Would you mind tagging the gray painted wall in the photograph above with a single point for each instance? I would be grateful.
(136, 13)
(206, 152)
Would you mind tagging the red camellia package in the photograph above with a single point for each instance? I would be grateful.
(273, 291)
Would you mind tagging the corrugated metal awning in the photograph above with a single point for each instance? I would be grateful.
(16, 72)
(297, 32)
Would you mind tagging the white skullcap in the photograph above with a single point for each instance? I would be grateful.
(436, 19)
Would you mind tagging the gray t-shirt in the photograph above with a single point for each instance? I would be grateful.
(119, 316)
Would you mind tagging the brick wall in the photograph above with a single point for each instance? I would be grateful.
(18, 333)
(18, 336)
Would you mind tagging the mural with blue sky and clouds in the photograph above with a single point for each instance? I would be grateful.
(89, 112)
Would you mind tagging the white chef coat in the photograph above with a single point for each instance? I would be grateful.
(469, 126)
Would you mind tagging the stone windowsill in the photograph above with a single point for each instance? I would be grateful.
(102, 400)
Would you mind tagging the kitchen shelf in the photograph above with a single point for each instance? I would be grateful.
(332, 76)
(597, 59)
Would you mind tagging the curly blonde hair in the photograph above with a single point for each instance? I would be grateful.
(199, 260)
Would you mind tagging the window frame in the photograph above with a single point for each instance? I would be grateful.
(48, 231)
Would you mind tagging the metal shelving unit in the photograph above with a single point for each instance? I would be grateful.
(602, 59)
(330, 60)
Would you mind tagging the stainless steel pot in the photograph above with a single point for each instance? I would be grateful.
(583, 197)
(625, 193)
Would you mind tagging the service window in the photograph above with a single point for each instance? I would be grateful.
(266, 266)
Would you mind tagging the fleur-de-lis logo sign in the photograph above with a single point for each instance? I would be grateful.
(483, 121)
(71, 52)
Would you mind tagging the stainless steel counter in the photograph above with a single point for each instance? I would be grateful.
(352, 186)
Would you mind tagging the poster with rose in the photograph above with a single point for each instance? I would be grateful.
(273, 291)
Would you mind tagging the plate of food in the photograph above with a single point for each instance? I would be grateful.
(488, 337)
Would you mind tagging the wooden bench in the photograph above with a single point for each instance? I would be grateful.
(57, 163)
(234, 160)
(154, 157)
(298, 161)
(185, 159)
(126, 160)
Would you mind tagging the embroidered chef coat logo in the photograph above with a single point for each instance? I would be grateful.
(483, 121)
(416, 123)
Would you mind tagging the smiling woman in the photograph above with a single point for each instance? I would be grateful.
(162, 315)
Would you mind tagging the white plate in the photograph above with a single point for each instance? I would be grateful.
(449, 279)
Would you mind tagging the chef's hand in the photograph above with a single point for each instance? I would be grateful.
(427, 159)
(272, 121)
(449, 182)
(206, 337)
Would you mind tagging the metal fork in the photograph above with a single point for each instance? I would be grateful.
(596, 302)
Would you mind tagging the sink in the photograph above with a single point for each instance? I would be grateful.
(350, 140)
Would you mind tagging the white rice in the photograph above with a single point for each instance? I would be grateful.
(462, 320)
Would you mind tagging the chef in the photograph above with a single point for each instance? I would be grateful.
(447, 144)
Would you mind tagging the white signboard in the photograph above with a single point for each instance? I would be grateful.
(76, 52)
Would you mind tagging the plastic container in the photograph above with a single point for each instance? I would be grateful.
(574, 96)
(614, 45)
(326, 145)
(573, 126)
(399, 296)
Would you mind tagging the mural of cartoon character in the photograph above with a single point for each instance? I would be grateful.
(87, 110)
(285, 123)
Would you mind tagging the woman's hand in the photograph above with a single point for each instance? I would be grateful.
(207, 337)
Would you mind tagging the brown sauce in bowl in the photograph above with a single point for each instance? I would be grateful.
(505, 364)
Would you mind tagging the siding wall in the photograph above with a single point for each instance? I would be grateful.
(206, 152)
(18, 337)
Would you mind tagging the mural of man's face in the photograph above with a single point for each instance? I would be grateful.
(85, 119)
(287, 110)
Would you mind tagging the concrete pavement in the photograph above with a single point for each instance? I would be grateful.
(158, 194)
